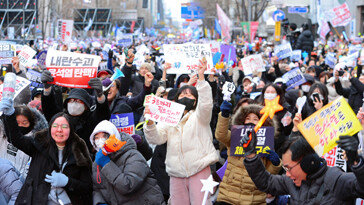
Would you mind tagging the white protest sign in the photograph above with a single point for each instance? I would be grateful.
(163, 110)
(283, 51)
(20, 84)
(335, 158)
(330, 60)
(65, 28)
(25, 55)
(339, 16)
(253, 63)
(186, 58)
(215, 46)
(350, 60)
(296, 55)
(228, 89)
(7, 51)
(362, 56)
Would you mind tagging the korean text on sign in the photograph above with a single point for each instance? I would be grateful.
(283, 51)
(335, 158)
(20, 84)
(185, 58)
(163, 110)
(323, 128)
(26, 54)
(252, 63)
(72, 69)
(123, 122)
(293, 78)
(265, 140)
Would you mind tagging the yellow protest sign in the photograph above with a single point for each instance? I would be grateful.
(277, 31)
(323, 128)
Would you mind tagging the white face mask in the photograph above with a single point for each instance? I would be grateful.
(100, 142)
(182, 84)
(305, 88)
(270, 96)
(75, 108)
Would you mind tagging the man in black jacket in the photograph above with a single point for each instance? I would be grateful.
(305, 40)
(308, 180)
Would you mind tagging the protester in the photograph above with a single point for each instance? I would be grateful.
(10, 182)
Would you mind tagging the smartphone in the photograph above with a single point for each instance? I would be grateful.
(316, 97)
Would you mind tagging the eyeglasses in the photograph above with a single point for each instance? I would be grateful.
(75, 100)
(290, 168)
(63, 126)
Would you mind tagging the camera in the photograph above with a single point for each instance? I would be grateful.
(341, 72)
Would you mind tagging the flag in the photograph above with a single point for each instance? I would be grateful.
(132, 27)
(217, 26)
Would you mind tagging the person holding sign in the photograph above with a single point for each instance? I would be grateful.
(190, 151)
(236, 186)
(308, 179)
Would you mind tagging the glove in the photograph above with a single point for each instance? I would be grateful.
(225, 108)
(112, 144)
(101, 159)
(6, 105)
(137, 139)
(350, 145)
(273, 157)
(111, 53)
(46, 77)
(249, 146)
(96, 84)
(57, 179)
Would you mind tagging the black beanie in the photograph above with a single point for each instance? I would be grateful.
(310, 164)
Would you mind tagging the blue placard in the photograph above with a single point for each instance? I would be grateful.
(283, 51)
(265, 140)
(123, 122)
(301, 10)
(192, 11)
(41, 58)
(278, 15)
(293, 78)
(330, 60)
(296, 55)
(35, 78)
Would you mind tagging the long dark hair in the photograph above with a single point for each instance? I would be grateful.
(279, 91)
(183, 89)
(323, 91)
(26, 112)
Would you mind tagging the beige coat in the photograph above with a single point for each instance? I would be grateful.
(236, 186)
(189, 144)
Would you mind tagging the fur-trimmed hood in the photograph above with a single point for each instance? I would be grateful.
(40, 121)
(78, 146)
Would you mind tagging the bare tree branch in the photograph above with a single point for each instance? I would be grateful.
(245, 11)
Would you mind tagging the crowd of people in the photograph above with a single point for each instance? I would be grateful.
(58, 145)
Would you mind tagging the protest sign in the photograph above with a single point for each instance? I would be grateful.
(296, 55)
(350, 60)
(293, 78)
(125, 40)
(72, 70)
(163, 110)
(4, 61)
(41, 57)
(20, 84)
(362, 56)
(330, 60)
(323, 128)
(225, 24)
(265, 140)
(354, 49)
(7, 51)
(26, 53)
(339, 16)
(359, 201)
(215, 46)
(65, 28)
(229, 53)
(252, 63)
(335, 158)
(185, 58)
(123, 122)
(283, 51)
(35, 78)
(253, 30)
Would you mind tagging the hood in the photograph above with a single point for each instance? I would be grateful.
(108, 127)
(81, 94)
(40, 121)
(307, 33)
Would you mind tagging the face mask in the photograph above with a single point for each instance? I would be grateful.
(305, 88)
(25, 130)
(75, 108)
(270, 96)
(182, 84)
(187, 102)
(100, 142)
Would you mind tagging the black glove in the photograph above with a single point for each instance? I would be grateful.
(249, 145)
(46, 77)
(96, 84)
(350, 145)
(111, 53)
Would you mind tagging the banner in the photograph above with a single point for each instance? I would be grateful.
(296, 55)
(7, 51)
(330, 60)
(41, 57)
(323, 128)
(163, 110)
(4, 61)
(335, 158)
(252, 63)
(225, 24)
(65, 28)
(293, 78)
(253, 30)
(229, 53)
(123, 122)
(26, 54)
(185, 58)
(246, 27)
(265, 140)
(283, 51)
(350, 60)
(35, 78)
(277, 31)
(125, 40)
(20, 84)
(339, 16)
(70, 69)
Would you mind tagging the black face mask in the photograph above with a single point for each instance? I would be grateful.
(250, 124)
(187, 102)
(25, 130)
